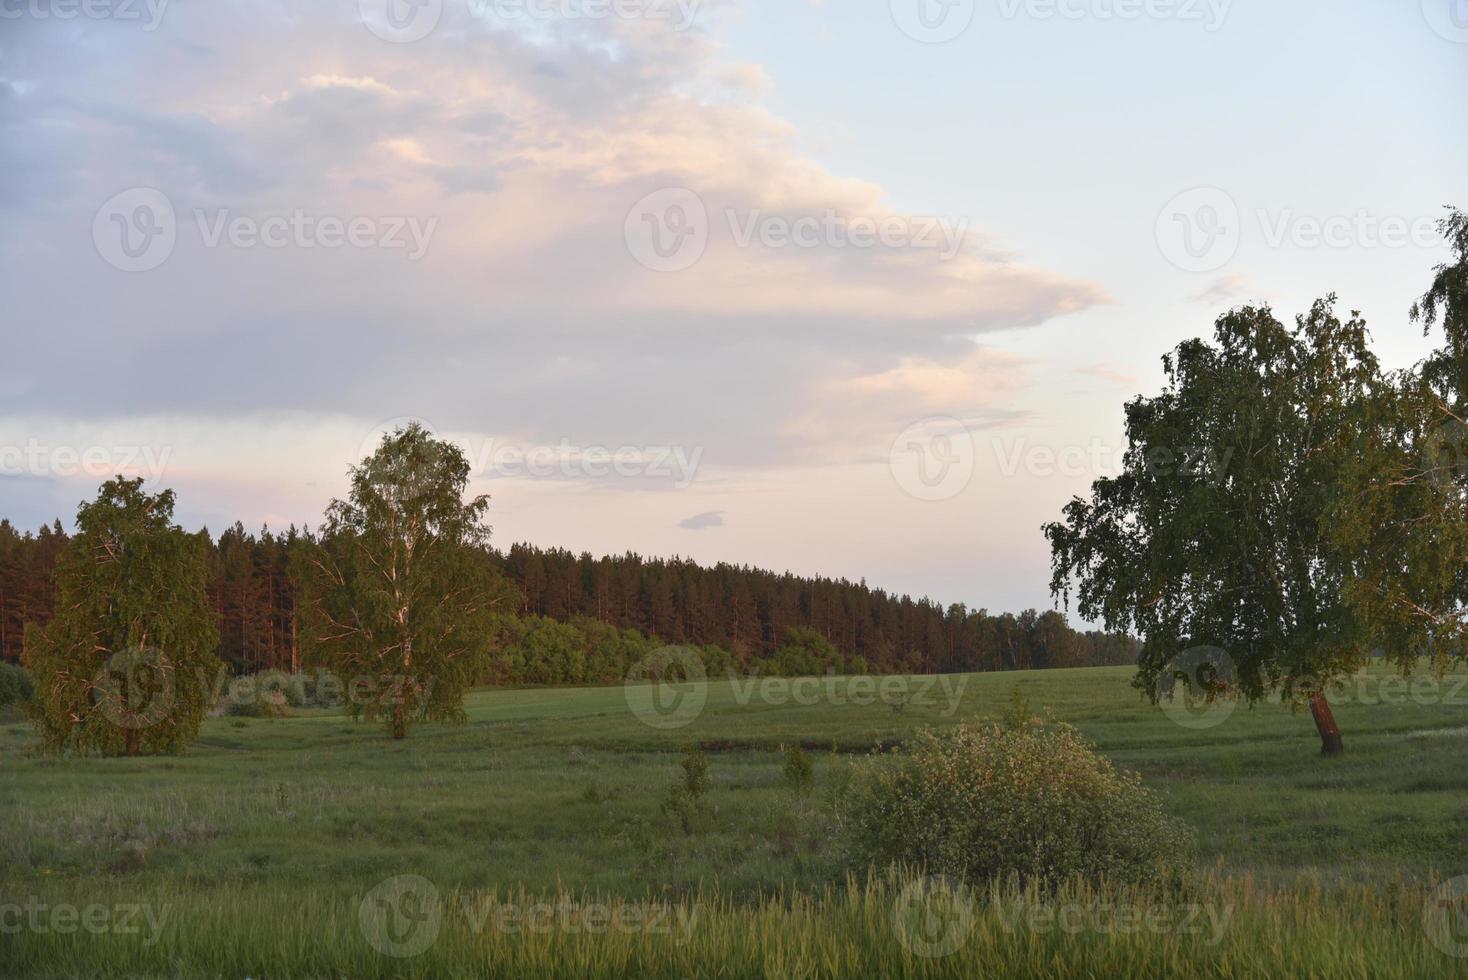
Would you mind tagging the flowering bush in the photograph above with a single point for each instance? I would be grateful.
(1036, 802)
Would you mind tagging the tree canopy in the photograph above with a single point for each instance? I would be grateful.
(127, 663)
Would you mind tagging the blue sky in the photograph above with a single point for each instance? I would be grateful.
(758, 383)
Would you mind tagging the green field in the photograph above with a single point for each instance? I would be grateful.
(253, 851)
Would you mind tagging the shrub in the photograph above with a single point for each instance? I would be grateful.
(798, 771)
(1034, 802)
(15, 685)
(695, 770)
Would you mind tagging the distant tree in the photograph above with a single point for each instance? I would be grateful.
(399, 584)
(127, 664)
(1222, 531)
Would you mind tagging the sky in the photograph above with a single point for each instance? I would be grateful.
(846, 287)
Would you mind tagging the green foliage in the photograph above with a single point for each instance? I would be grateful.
(986, 803)
(798, 772)
(1232, 927)
(127, 664)
(805, 653)
(695, 770)
(399, 584)
(15, 685)
(1017, 717)
(1222, 530)
(1408, 492)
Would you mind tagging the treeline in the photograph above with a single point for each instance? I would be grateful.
(572, 618)
(750, 612)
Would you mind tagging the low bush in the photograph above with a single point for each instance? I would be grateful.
(1034, 802)
(15, 685)
(799, 774)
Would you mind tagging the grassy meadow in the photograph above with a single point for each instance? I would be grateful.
(259, 851)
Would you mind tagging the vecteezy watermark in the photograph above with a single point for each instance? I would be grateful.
(1422, 690)
(404, 915)
(1448, 18)
(933, 916)
(401, 21)
(137, 230)
(669, 231)
(401, 916)
(149, 13)
(937, 21)
(830, 229)
(1210, 14)
(1205, 697)
(1445, 917)
(276, 689)
(65, 919)
(932, 21)
(1207, 922)
(571, 916)
(491, 458)
(668, 688)
(936, 916)
(894, 690)
(1099, 457)
(1200, 230)
(135, 688)
(679, 13)
(301, 229)
(36, 458)
(933, 458)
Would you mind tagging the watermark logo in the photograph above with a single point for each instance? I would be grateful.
(36, 458)
(1445, 917)
(830, 229)
(1195, 688)
(1208, 923)
(135, 688)
(933, 459)
(401, 21)
(1446, 454)
(932, 21)
(1448, 18)
(148, 12)
(668, 230)
(401, 916)
(668, 688)
(135, 230)
(1199, 229)
(573, 916)
(491, 458)
(1210, 13)
(301, 229)
(680, 13)
(65, 919)
(933, 916)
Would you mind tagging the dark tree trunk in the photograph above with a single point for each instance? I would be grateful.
(1330, 733)
(400, 718)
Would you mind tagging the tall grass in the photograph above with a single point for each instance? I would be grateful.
(877, 928)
